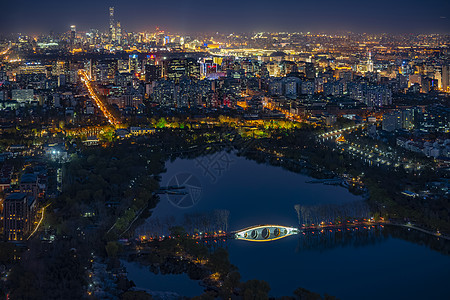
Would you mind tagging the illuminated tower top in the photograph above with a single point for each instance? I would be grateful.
(73, 33)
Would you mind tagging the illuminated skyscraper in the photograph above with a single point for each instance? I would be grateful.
(112, 28)
(370, 63)
(73, 33)
(166, 40)
(176, 68)
(133, 63)
(445, 78)
(118, 33)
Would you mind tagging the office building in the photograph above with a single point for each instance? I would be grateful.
(18, 215)
(392, 121)
(176, 68)
(23, 96)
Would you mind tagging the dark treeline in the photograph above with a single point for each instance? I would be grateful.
(315, 214)
(196, 222)
(207, 222)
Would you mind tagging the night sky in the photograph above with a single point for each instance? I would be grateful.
(33, 16)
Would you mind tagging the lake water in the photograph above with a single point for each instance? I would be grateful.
(365, 265)
(166, 286)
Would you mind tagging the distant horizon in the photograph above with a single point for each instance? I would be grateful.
(324, 32)
(192, 16)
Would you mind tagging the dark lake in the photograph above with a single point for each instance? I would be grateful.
(375, 263)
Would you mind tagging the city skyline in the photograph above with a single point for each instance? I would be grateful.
(182, 16)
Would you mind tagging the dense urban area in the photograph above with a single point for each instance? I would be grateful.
(88, 120)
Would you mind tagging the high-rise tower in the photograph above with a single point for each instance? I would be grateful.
(370, 63)
(73, 34)
(112, 27)
(445, 78)
(118, 33)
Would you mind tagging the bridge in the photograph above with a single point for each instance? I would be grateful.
(265, 233)
(336, 134)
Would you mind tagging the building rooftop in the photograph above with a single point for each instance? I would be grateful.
(28, 178)
(15, 196)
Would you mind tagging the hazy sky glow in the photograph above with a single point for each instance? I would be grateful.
(31, 16)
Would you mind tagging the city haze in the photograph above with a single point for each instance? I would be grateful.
(189, 16)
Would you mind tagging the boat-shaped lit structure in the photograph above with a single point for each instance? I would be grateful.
(265, 233)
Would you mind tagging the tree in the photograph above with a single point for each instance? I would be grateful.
(23, 284)
(255, 290)
(7, 251)
(177, 231)
(161, 123)
(208, 295)
(230, 283)
(304, 294)
(219, 262)
(135, 295)
(112, 248)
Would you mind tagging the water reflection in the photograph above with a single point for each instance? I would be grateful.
(432, 242)
(347, 237)
(164, 285)
(363, 236)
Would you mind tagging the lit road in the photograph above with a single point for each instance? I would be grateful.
(338, 132)
(5, 51)
(270, 105)
(40, 221)
(103, 107)
(376, 156)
